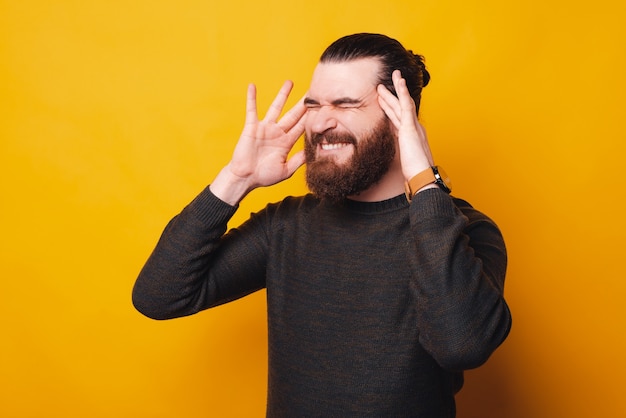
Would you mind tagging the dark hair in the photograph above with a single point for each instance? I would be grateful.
(392, 55)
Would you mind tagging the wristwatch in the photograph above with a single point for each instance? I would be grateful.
(432, 175)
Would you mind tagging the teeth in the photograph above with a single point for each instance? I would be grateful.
(327, 147)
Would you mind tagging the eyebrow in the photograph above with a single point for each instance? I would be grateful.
(336, 102)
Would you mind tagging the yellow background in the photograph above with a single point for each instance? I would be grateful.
(114, 114)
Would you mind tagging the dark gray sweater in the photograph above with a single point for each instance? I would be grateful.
(374, 309)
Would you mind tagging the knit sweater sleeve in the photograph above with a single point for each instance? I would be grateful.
(461, 260)
(195, 265)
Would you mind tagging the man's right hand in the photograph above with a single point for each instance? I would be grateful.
(261, 155)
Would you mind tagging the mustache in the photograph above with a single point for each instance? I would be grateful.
(331, 138)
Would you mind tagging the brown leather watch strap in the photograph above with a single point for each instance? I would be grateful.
(421, 179)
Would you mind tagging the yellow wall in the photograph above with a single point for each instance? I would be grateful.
(114, 114)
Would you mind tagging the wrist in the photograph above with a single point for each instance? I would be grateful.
(428, 186)
(229, 187)
(428, 178)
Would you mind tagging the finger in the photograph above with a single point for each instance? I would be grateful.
(406, 101)
(293, 116)
(296, 161)
(251, 112)
(295, 133)
(390, 105)
(277, 105)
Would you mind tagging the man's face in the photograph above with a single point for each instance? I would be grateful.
(349, 143)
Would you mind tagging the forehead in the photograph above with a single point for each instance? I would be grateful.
(353, 79)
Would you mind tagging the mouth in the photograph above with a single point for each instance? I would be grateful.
(325, 146)
(330, 147)
(338, 152)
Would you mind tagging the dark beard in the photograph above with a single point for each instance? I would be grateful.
(370, 161)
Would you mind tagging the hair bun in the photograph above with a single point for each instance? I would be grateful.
(422, 66)
(425, 77)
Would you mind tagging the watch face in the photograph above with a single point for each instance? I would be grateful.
(442, 179)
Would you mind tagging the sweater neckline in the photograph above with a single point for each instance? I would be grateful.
(388, 205)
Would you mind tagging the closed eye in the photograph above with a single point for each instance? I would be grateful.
(311, 104)
(343, 103)
(347, 103)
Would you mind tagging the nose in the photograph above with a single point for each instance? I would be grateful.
(321, 119)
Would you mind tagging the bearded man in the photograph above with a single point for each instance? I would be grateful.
(382, 288)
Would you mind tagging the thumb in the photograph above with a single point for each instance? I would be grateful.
(296, 161)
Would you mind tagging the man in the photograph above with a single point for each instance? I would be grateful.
(377, 301)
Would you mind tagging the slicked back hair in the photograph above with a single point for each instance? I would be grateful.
(392, 56)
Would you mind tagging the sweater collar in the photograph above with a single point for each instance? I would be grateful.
(373, 208)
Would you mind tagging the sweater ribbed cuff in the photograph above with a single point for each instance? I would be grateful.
(433, 203)
(208, 208)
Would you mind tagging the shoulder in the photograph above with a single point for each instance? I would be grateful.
(291, 205)
(287, 209)
(479, 226)
(470, 211)
(278, 216)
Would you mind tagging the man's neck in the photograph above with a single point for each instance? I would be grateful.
(391, 185)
